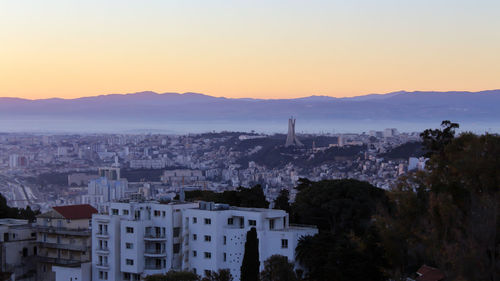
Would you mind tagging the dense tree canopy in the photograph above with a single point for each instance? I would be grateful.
(242, 197)
(448, 215)
(15, 213)
(278, 268)
(282, 201)
(347, 246)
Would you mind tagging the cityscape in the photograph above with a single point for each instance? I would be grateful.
(279, 140)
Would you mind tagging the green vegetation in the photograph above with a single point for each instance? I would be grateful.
(449, 216)
(281, 202)
(405, 151)
(16, 213)
(242, 197)
(250, 264)
(278, 268)
(221, 275)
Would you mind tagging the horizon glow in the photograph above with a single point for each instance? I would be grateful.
(257, 49)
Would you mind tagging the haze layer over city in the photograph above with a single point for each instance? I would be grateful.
(271, 140)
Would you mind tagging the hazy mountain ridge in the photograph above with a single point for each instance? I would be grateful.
(152, 108)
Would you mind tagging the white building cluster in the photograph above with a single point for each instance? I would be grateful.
(135, 239)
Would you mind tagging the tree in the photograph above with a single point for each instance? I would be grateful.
(338, 206)
(242, 197)
(250, 264)
(435, 140)
(16, 213)
(221, 275)
(173, 276)
(278, 268)
(347, 247)
(282, 201)
(447, 216)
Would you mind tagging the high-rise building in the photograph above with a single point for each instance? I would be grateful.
(135, 239)
(108, 187)
(291, 138)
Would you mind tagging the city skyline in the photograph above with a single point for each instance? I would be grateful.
(275, 49)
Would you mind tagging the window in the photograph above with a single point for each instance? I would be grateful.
(177, 231)
(25, 252)
(195, 220)
(129, 262)
(157, 213)
(129, 245)
(207, 272)
(230, 221)
(126, 276)
(225, 239)
(208, 221)
(225, 256)
(252, 222)
(177, 248)
(103, 275)
(125, 213)
(271, 224)
(208, 255)
(114, 211)
(129, 229)
(208, 238)
(163, 213)
(195, 236)
(284, 243)
(195, 253)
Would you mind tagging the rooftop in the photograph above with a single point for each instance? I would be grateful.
(75, 212)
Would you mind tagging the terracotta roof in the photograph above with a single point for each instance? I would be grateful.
(76, 212)
(427, 273)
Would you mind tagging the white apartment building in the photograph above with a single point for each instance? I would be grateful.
(214, 236)
(135, 239)
(131, 240)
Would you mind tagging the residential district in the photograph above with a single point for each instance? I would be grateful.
(112, 208)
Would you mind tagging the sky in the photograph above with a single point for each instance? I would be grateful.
(254, 48)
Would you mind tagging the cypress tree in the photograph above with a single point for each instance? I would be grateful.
(250, 265)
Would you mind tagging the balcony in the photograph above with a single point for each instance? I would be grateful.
(102, 234)
(102, 265)
(63, 230)
(154, 269)
(72, 247)
(153, 253)
(154, 237)
(102, 250)
(60, 261)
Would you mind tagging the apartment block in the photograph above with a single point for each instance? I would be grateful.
(64, 237)
(131, 240)
(215, 234)
(17, 249)
(135, 239)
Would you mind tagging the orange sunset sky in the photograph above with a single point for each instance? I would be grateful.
(261, 49)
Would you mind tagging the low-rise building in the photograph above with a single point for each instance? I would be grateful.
(64, 242)
(214, 236)
(134, 239)
(17, 249)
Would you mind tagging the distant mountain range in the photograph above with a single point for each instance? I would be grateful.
(192, 112)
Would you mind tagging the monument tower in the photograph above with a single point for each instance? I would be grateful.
(291, 139)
